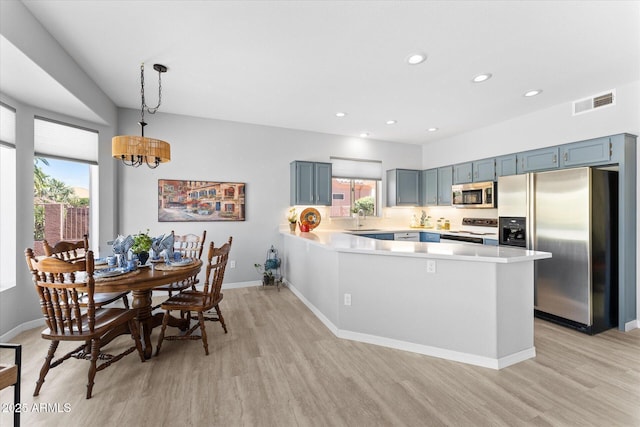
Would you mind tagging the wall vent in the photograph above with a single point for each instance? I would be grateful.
(605, 99)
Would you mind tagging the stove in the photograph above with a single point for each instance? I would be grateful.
(472, 229)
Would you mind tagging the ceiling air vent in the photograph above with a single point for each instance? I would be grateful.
(600, 100)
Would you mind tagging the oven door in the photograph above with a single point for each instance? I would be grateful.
(452, 238)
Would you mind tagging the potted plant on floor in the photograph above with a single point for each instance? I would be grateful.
(141, 246)
(267, 275)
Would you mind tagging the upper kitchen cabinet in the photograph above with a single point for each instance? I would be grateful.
(463, 173)
(538, 160)
(403, 187)
(429, 187)
(506, 165)
(478, 171)
(484, 170)
(583, 153)
(445, 181)
(310, 183)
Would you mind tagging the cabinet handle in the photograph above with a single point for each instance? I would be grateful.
(555, 158)
(565, 156)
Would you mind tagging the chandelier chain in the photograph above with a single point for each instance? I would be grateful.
(144, 106)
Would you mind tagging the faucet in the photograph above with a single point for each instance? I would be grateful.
(358, 215)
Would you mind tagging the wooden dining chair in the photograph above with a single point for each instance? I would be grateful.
(199, 302)
(59, 284)
(10, 375)
(189, 246)
(73, 251)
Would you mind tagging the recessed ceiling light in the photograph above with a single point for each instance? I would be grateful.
(416, 58)
(481, 78)
(340, 114)
(364, 134)
(392, 122)
(432, 129)
(533, 93)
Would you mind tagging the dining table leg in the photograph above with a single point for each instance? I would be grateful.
(142, 305)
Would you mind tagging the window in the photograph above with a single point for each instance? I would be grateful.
(7, 197)
(355, 186)
(65, 173)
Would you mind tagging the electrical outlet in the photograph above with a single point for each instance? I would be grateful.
(431, 266)
(232, 264)
(347, 299)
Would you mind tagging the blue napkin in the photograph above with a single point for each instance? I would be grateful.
(122, 244)
(163, 244)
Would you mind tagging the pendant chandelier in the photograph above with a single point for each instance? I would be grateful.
(135, 150)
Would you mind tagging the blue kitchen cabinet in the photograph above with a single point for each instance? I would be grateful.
(429, 187)
(379, 236)
(538, 160)
(586, 153)
(445, 180)
(310, 183)
(484, 170)
(403, 187)
(506, 165)
(463, 173)
(426, 236)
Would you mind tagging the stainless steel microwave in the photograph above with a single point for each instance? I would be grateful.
(474, 195)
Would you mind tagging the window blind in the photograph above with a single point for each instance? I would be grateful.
(356, 168)
(62, 141)
(7, 125)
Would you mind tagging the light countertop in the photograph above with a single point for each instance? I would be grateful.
(342, 241)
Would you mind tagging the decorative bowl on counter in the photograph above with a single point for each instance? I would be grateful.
(310, 217)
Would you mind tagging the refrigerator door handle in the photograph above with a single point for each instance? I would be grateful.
(531, 211)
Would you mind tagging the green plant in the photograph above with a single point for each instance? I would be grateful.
(261, 268)
(366, 204)
(141, 242)
(293, 215)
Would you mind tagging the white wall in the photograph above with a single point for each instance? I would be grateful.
(552, 126)
(20, 304)
(214, 150)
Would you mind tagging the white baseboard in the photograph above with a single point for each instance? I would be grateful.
(237, 285)
(325, 321)
(7, 337)
(634, 324)
(456, 356)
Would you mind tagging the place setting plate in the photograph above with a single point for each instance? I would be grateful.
(110, 272)
(182, 262)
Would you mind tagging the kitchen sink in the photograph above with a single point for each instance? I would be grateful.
(362, 229)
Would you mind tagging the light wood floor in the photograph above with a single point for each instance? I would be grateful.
(279, 366)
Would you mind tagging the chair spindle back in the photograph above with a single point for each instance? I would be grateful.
(60, 284)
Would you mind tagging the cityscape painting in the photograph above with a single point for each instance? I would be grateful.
(200, 201)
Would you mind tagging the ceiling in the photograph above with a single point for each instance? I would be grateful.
(294, 64)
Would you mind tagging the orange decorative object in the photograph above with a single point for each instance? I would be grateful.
(310, 217)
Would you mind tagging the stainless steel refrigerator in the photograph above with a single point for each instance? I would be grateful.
(571, 213)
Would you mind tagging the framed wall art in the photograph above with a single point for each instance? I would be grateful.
(180, 200)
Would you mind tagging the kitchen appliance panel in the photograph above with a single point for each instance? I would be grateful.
(573, 214)
(561, 225)
(513, 195)
(474, 195)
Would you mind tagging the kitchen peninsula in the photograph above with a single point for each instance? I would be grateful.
(463, 302)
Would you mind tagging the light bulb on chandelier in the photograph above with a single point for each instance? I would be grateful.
(135, 150)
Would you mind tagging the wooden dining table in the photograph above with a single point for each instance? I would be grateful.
(141, 283)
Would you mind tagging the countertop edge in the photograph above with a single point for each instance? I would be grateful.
(342, 241)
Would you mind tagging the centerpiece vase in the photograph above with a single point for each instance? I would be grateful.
(143, 257)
